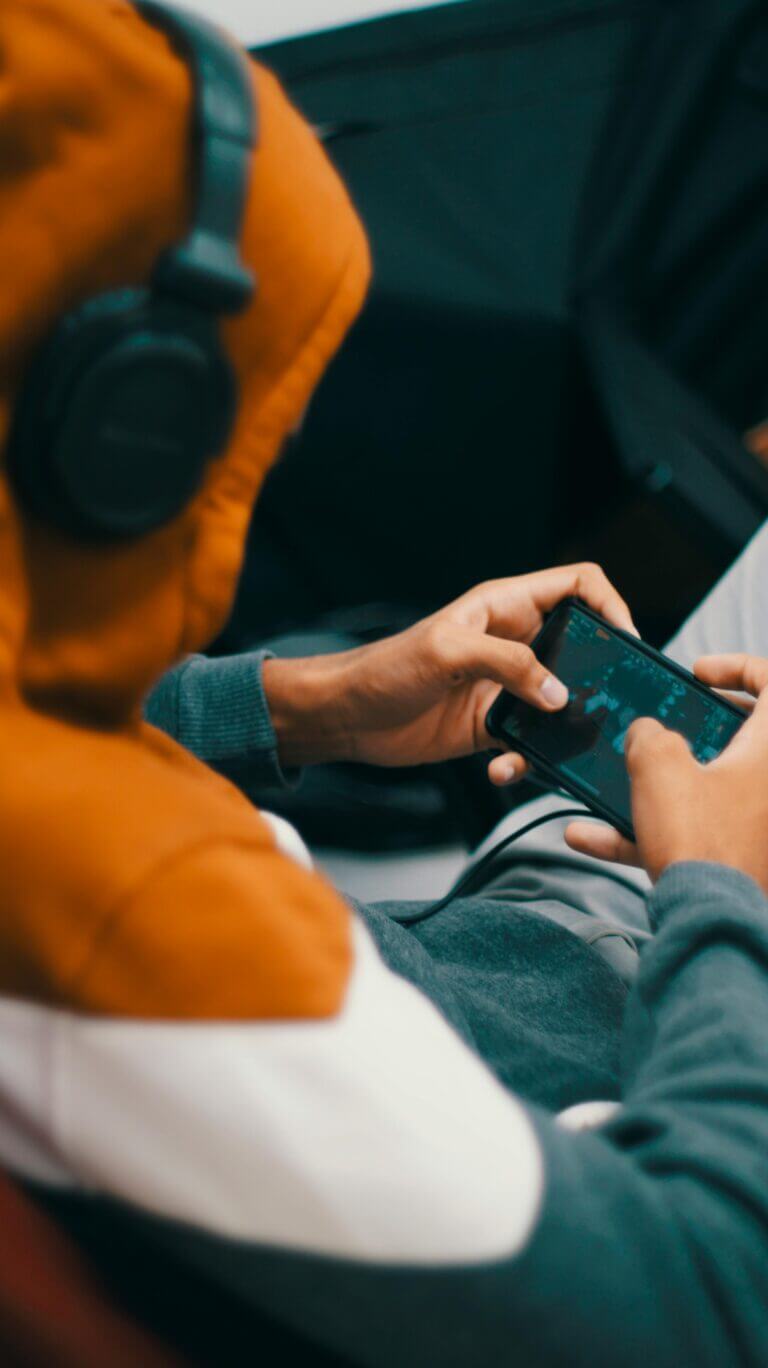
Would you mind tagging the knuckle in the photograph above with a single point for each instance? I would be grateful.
(524, 662)
(740, 668)
(590, 570)
(438, 640)
(679, 744)
(654, 739)
(454, 652)
(755, 674)
(645, 742)
(667, 745)
(480, 592)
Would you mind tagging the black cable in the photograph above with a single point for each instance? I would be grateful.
(467, 881)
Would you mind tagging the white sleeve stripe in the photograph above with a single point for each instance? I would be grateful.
(377, 1135)
(288, 840)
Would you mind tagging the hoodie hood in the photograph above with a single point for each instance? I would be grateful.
(95, 155)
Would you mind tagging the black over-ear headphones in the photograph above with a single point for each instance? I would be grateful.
(132, 394)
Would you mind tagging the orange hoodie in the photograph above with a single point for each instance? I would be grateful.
(192, 1023)
(196, 1033)
(108, 831)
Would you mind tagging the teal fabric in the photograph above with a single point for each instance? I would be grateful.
(216, 708)
(651, 1243)
(541, 1006)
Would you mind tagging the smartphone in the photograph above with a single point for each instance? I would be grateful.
(612, 679)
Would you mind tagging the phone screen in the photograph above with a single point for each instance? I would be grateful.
(611, 682)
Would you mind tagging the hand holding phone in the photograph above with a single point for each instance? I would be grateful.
(612, 679)
(686, 812)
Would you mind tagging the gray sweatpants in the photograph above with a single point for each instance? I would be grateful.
(606, 904)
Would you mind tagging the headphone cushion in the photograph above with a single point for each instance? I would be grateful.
(119, 415)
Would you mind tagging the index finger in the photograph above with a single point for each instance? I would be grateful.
(602, 843)
(746, 673)
(650, 746)
(585, 581)
(751, 740)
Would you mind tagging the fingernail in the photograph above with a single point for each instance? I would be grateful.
(510, 769)
(554, 692)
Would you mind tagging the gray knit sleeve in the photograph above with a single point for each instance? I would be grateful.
(217, 709)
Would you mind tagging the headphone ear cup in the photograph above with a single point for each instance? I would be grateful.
(119, 414)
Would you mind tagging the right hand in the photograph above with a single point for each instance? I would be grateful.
(683, 810)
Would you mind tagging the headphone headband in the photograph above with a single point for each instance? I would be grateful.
(205, 269)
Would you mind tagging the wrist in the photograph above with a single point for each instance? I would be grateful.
(304, 705)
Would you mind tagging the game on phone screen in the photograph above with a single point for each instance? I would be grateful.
(611, 683)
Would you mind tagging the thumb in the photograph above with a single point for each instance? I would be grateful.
(476, 655)
(651, 750)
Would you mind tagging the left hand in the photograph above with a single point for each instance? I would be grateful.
(423, 695)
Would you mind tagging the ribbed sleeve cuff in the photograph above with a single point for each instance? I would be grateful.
(218, 710)
(704, 886)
